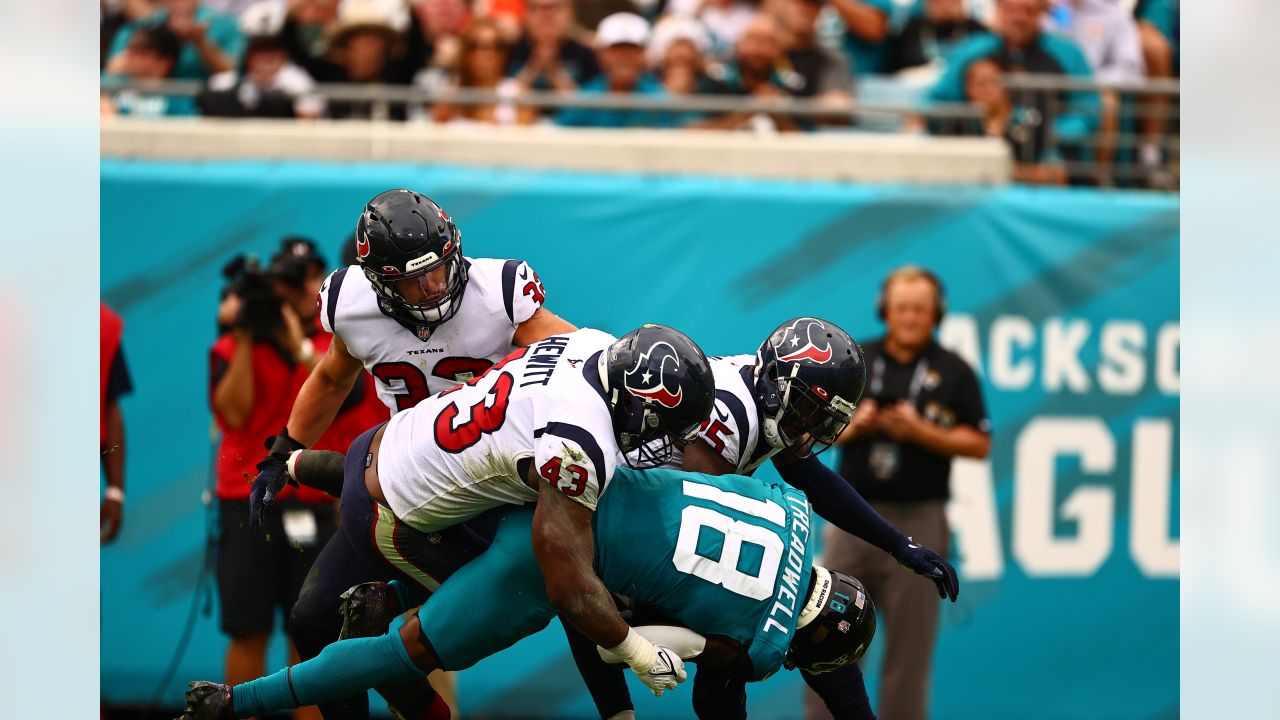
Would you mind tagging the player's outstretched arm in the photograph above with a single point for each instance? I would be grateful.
(565, 548)
(315, 407)
(836, 501)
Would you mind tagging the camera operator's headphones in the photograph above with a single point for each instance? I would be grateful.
(910, 271)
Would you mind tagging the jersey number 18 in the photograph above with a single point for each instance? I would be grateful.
(724, 571)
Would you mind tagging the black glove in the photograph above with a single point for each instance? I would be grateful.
(272, 476)
(923, 561)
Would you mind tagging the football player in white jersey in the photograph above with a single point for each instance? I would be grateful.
(547, 424)
(787, 403)
(420, 317)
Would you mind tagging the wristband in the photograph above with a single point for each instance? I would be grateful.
(114, 493)
(635, 651)
(283, 444)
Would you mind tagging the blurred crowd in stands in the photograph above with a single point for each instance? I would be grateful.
(263, 58)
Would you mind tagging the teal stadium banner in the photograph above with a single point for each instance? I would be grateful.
(1065, 300)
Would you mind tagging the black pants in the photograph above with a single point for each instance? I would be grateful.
(373, 546)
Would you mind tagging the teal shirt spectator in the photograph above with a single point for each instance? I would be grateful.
(617, 117)
(1049, 54)
(132, 103)
(222, 31)
(1163, 15)
(866, 57)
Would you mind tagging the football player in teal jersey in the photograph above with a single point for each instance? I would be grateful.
(726, 558)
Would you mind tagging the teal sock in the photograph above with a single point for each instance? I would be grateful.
(345, 668)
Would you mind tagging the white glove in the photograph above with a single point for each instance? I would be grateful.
(665, 673)
(658, 667)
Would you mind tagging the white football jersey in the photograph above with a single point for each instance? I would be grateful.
(459, 453)
(500, 295)
(734, 428)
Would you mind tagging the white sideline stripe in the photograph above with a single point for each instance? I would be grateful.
(766, 510)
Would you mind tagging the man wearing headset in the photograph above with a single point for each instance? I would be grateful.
(922, 407)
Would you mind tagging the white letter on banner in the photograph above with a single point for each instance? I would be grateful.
(1007, 332)
(1154, 553)
(959, 334)
(1062, 344)
(1122, 369)
(1041, 443)
(973, 518)
(1168, 369)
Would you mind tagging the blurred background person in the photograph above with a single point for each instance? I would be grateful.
(115, 383)
(620, 44)
(270, 85)
(929, 35)
(482, 67)
(209, 41)
(307, 27)
(759, 69)
(678, 54)
(1022, 128)
(923, 406)
(824, 74)
(434, 39)
(724, 20)
(1158, 31)
(149, 54)
(866, 30)
(546, 57)
(1108, 37)
(365, 46)
(1020, 45)
(257, 365)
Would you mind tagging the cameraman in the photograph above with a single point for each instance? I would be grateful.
(923, 407)
(257, 366)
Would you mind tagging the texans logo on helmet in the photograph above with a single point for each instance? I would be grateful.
(640, 379)
(362, 246)
(802, 331)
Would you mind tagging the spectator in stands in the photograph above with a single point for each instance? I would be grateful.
(435, 38)
(115, 384)
(1023, 128)
(483, 66)
(271, 85)
(307, 27)
(1158, 31)
(678, 53)
(824, 74)
(1019, 45)
(546, 58)
(209, 40)
(866, 25)
(364, 46)
(724, 19)
(759, 69)
(151, 53)
(620, 41)
(928, 37)
(1108, 36)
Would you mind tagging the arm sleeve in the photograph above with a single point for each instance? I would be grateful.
(836, 501)
(522, 290)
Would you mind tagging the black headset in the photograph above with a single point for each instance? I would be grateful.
(927, 275)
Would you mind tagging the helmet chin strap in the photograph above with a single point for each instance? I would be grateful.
(817, 598)
(772, 431)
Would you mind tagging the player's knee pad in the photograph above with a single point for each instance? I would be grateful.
(368, 608)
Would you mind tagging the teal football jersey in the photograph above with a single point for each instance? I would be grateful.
(726, 555)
